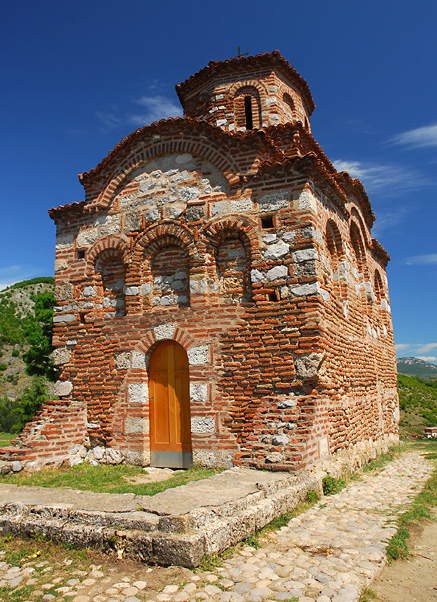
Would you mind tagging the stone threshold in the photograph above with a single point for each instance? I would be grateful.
(178, 526)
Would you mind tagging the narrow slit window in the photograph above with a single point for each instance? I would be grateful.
(81, 254)
(267, 222)
(274, 296)
(248, 112)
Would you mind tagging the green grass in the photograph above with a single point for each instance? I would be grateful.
(331, 485)
(418, 404)
(418, 511)
(105, 478)
(6, 438)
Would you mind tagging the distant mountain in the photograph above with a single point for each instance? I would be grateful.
(416, 367)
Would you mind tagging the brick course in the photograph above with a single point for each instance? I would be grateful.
(244, 245)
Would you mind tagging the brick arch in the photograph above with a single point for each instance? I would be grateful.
(358, 247)
(158, 235)
(111, 244)
(204, 147)
(378, 286)
(334, 240)
(176, 333)
(252, 83)
(356, 215)
(214, 232)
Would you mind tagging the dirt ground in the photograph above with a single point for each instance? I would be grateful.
(413, 579)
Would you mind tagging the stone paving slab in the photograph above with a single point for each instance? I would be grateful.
(327, 554)
(177, 526)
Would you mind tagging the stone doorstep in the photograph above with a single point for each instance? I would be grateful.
(178, 539)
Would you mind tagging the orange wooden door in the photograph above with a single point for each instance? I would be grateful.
(169, 395)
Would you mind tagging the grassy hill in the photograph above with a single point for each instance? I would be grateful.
(16, 314)
(418, 404)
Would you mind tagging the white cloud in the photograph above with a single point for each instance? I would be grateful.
(427, 358)
(426, 348)
(418, 138)
(10, 269)
(428, 259)
(109, 121)
(154, 108)
(379, 177)
(402, 346)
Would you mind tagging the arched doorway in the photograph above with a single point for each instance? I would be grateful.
(169, 396)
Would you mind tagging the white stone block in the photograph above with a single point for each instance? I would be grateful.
(278, 272)
(89, 291)
(138, 360)
(202, 424)
(219, 208)
(304, 255)
(63, 388)
(303, 290)
(87, 237)
(61, 355)
(164, 331)
(138, 392)
(307, 200)
(131, 291)
(198, 392)
(134, 425)
(241, 206)
(257, 276)
(122, 360)
(274, 201)
(277, 250)
(198, 356)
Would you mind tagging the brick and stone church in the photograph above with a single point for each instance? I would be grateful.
(220, 298)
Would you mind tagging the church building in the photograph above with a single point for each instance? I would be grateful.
(219, 296)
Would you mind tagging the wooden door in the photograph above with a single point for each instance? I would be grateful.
(169, 396)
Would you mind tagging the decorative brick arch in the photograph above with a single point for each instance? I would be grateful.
(358, 246)
(215, 231)
(204, 146)
(253, 89)
(164, 332)
(113, 244)
(158, 235)
(252, 83)
(356, 215)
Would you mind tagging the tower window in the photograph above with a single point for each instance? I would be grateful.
(248, 112)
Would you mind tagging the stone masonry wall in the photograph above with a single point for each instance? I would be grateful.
(246, 247)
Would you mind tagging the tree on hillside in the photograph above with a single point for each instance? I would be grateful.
(38, 330)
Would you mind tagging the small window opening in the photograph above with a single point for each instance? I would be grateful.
(81, 254)
(267, 222)
(82, 317)
(274, 296)
(248, 112)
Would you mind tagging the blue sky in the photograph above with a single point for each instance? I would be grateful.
(79, 76)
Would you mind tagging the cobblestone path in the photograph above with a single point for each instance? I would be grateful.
(327, 554)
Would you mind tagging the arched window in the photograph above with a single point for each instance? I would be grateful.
(358, 247)
(112, 271)
(247, 107)
(233, 270)
(170, 277)
(378, 287)
(333, 240)
(289, 106)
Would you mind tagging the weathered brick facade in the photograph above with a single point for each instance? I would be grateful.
(230, 232)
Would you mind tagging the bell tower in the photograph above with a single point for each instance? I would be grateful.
(245, 93)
